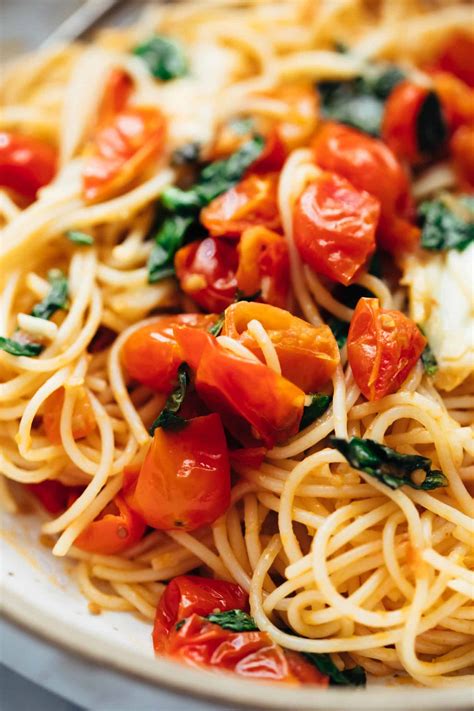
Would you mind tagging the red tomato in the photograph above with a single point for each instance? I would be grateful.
(456, 57)
(151, 354)
(192, 343)
(248, 456)
(264, 265)
(52, 494)
(116, 529)
(370, 165)
(382, 346)
(273, 156)
(187, 595)
(184, 481)
(232, 385)
(308, 354)
(117, 91)
(462, 151)
(206, 272)
(334, 227)
(251, 202)
(121, 150)
(83, 420)
(26, 163)
(253, 655)
(457, 99)
(399, 126)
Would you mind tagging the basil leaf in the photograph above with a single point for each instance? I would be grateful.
(233, 620)
(169, 239)
(340, 329)
(348, 677)
(431, 128)
(387, 465)
(168, 417)
(16, 348)
(163, 56)
(217, 327)
(55, 299)
(79, 237)
(318, 406)
(215, 179)
(442, 229)
(242, 125)
(428, 358)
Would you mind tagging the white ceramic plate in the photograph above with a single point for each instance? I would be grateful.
(38, 592)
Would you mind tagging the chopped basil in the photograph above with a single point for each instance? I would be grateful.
(233, 620)
(348, 677)
(318, 406)
(168, 240)
(216, 327)
(163, 56)
(340, 329)
(79, 237)
(242, 125)
(428, 358)
(17, 348)
(168, 417)
(388, 466)
(431, 128)
(442, 229)
(55, 299)
(359, 102)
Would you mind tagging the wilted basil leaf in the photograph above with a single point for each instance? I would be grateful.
(169, 239)
(55, 299)
(16, 348)
(348, 677)
(163, 56)
(168, 417)
(442, 229)
(318, 406)
(79, 237)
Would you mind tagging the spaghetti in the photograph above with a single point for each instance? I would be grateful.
(336, 562)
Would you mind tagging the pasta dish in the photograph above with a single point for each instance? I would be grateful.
(237, 331)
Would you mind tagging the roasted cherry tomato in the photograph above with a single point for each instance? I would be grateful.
(382, 346)
(401, 122)
(151, 354)
(117, 528)
(184, 481)
(251, 202)
(121, 150)
(83, 420)
(253, 655)
(457, 99)
(334, 227)
(206, 272)
(232, 385)
(456, 57)
(462, 152)
(273, 156)
(26, 163)
(264, 265)
(308, 354)
(248, 456)
(116, 94)
(370, 165)
(53, 495)
(187, 595)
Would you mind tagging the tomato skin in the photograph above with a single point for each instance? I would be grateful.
(206, 272)
(252, 201)
(264, 265)
(248, 456)
(118, 88)
(52, 494)
(456, 57)
(370, 165)
(151, 355)
(273, 156)
(83, 420)
(187, 595)
(457, 99)
(184, 481)
(252, 655)
(114, 532)
(382, 346)
(232, 385)
(399, 125)
(334, 227)
(308, 354)
(122, 149)
(26, 163)
(462, 152)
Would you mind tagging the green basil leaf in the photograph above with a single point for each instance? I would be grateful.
(348, 677)
(387, 465)
(340, 329)
(242, 125)
(16, 348)
(163, 56)
(233, 620)
(168, 417)
(431, 128)
(442, 229)
(428, 358)
(79, 237)
(318, 406)
(55, 299)
(169, 239)
(216, 328)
